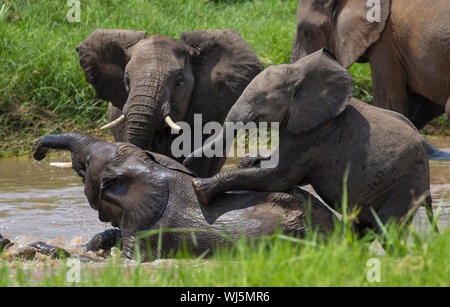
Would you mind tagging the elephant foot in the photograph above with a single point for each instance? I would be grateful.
(104, 240)
(205, 192)
(436, 154)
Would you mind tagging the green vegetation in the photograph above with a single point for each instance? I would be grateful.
(274, 261)
(43, 88)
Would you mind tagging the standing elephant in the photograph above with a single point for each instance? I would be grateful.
(408, 50)
(138, 190)
(323, 133)
(154, 81)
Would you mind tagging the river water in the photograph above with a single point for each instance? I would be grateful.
(41, 202)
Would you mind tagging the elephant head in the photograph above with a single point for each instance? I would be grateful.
(160, 80)
(300, 96)
(113, 176)
(345, 27)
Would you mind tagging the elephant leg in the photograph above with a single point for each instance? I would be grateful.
(277, 179)
(395, 206)
(104, 240)
(118, 131)
(422, 110)
(389, 82)
(447, 108)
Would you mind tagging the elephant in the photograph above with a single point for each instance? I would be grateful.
(153, 82)
(4, 243)
(323, 133)
(407, 48)
(138, 190)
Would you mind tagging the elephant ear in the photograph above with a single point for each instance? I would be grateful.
(322, 91)
(356, 31)
(224, 64)
(103, 57)
(169, 163)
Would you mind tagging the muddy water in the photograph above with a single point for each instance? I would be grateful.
(40, 202)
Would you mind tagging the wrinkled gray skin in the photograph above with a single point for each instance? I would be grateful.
(323, 132)
(408, 51)
(137, 190)
(147, 79)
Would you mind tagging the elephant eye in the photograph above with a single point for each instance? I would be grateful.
(109, 181)
(259, 101)
(179, 81)
(335, 7)
(126, 82)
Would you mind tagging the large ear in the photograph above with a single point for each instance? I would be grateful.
(224, 64)
(321, 90)
(169, 163)
(103, 58)
(356, 30)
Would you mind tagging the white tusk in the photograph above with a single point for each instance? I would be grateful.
(62, 164)
(114, 123)
(171, 124)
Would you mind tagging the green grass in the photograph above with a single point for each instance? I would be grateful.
(42, 85)
(274, 261)
(43, 88)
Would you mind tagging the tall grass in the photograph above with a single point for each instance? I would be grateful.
(42, 85)
(277, 260)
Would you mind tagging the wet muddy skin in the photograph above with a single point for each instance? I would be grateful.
(40, 203)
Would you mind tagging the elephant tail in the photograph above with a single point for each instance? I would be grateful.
(430, 215)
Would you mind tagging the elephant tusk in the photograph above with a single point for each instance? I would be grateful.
(62, 164)
(114, 123)
(171, 124)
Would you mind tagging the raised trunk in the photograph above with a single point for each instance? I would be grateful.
(78, 144)
(197, 157)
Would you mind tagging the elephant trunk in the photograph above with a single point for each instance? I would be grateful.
(77, 143)
(298, 50)
(145, 111)
(220, 146)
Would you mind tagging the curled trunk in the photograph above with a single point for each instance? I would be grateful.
(78, 144)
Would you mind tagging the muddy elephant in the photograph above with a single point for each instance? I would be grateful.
(137, 190)
(406, 42)
(324, 132)
(153, 82)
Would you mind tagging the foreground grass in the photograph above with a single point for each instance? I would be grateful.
(275, 261)
(43, 88)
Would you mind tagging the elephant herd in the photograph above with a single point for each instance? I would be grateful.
(326, 136)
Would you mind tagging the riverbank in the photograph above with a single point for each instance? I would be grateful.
(43, 89)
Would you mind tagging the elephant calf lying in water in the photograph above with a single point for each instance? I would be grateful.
(137, 190)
